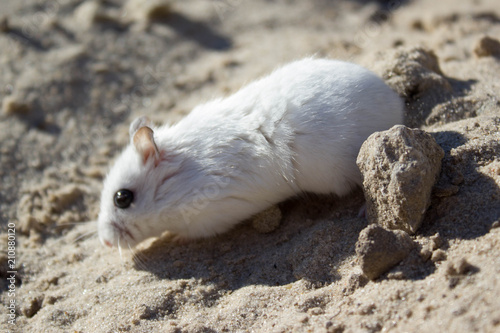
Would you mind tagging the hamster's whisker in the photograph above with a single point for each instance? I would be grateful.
(120, 250)
(136, 257)
(140, 260)
(75, 223)
(84, 236)
(63, 238)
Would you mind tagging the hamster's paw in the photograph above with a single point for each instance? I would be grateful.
(267, 220)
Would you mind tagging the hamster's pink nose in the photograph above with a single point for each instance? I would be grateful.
(107, 243)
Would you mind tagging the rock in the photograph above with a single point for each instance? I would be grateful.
(436, 241)
(410, 68)
(487, 47)
(425, 253)
(379, 249)
(414, 73)
(399, 168)
(268, 220)
(438, 255)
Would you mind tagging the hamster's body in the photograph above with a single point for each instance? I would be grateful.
(297, 130)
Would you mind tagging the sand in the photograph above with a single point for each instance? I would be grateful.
(75, 73)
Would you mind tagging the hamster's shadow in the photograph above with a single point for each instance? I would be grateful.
(316, 234)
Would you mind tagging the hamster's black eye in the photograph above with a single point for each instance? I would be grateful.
(123, 198)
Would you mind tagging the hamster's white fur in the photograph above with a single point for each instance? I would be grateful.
(297, 130)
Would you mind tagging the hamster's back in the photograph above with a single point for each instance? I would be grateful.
(299, 129)
(334, 110)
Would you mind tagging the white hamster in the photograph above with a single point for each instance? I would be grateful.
(297, 130)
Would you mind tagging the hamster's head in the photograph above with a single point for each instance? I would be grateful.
(128, 212)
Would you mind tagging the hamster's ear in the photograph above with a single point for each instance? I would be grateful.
(145, 145)
(138, 123)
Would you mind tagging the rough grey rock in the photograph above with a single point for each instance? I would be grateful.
(399, 168)
(379, 249)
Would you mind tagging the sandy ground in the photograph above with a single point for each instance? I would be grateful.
(74, 74)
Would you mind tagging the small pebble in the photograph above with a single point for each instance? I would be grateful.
(438, 255)
(436, 241)
(487, 47)
(379, 250)
(460, 267)
(425, 253)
